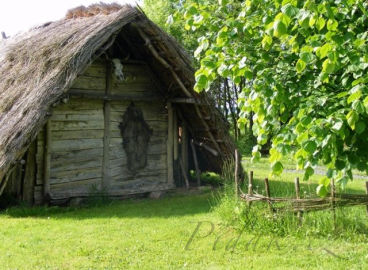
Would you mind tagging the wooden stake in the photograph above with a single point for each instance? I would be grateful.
(175, 134)
(250, 186)
(267, 189)
(184, 174)
(297, 192)
(366, 191)
(198, 172)
(105, 185)
(236, 173)
(333, 202)
(47, 161)
(170, 145)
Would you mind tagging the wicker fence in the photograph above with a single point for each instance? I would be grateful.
(298, 205)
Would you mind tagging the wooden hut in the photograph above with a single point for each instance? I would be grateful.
(102, 102)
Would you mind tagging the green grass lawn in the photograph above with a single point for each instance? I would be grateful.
(153, 234)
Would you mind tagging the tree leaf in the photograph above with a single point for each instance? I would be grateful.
(300, 65)
(279, 28)
(352, 117)
(328, 67)
(266, 42)
(277, 168)
(322, 191)
(310, 146)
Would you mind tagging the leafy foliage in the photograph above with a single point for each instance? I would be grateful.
(305, 65)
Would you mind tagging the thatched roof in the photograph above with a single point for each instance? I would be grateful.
(38, 67)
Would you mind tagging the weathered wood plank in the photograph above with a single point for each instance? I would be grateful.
(75, 175)
(93, 162)
(170, 145)
(39, 159)
(76, 125)
(89, 83)
(106, 137)
(29, 174)
(154, 125)
(77, 134)
(57, 112)
(58, 158)
(47, 160)
(95, 70)
(156, 134)
(38, 195)
(79, 144)
(97, 116)
(79, 105)
(86, 186)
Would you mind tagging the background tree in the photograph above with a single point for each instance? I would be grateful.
(305, 70)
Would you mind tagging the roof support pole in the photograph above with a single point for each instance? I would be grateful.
(106, 139)
(47, 162)
(170, 145)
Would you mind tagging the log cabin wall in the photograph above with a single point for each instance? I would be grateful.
(86, 153)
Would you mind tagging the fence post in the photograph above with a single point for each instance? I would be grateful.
(297, 192)
(250, 186)
(333, 202)
(236, 173)
(267, 188)
(366, 191)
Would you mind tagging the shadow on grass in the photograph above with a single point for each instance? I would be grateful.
(166, 207)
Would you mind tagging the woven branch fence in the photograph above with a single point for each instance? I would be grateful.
(298, 205)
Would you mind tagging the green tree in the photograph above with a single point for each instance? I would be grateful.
(305, 65)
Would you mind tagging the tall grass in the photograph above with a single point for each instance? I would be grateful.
(351, 222)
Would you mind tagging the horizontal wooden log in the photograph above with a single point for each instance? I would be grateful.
(138, 186)
(184, 100)
(89, 82)
(72, 165)
(76, 104)
(149, 187)
(117, 116)
(87, 186)
(76, 134)
(80, 144)
(157, 175)
(130, 95)
(79, 155)
(97, 116)
(57, 112)
(154, 125)
(76, 125)
(156, 133)
(75, 175)
(96, 70)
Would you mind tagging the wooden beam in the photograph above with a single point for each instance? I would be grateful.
(47, 161)
(195, 159)
(184, 148)
(208, 148)
(155, 54)
(207, 128)
(183, 171)
(185, 100)
(170, 145)
(175, 135)
(80, 93)
(106, 138)
(29, 175)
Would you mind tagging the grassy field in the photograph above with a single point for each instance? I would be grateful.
(185, 231)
